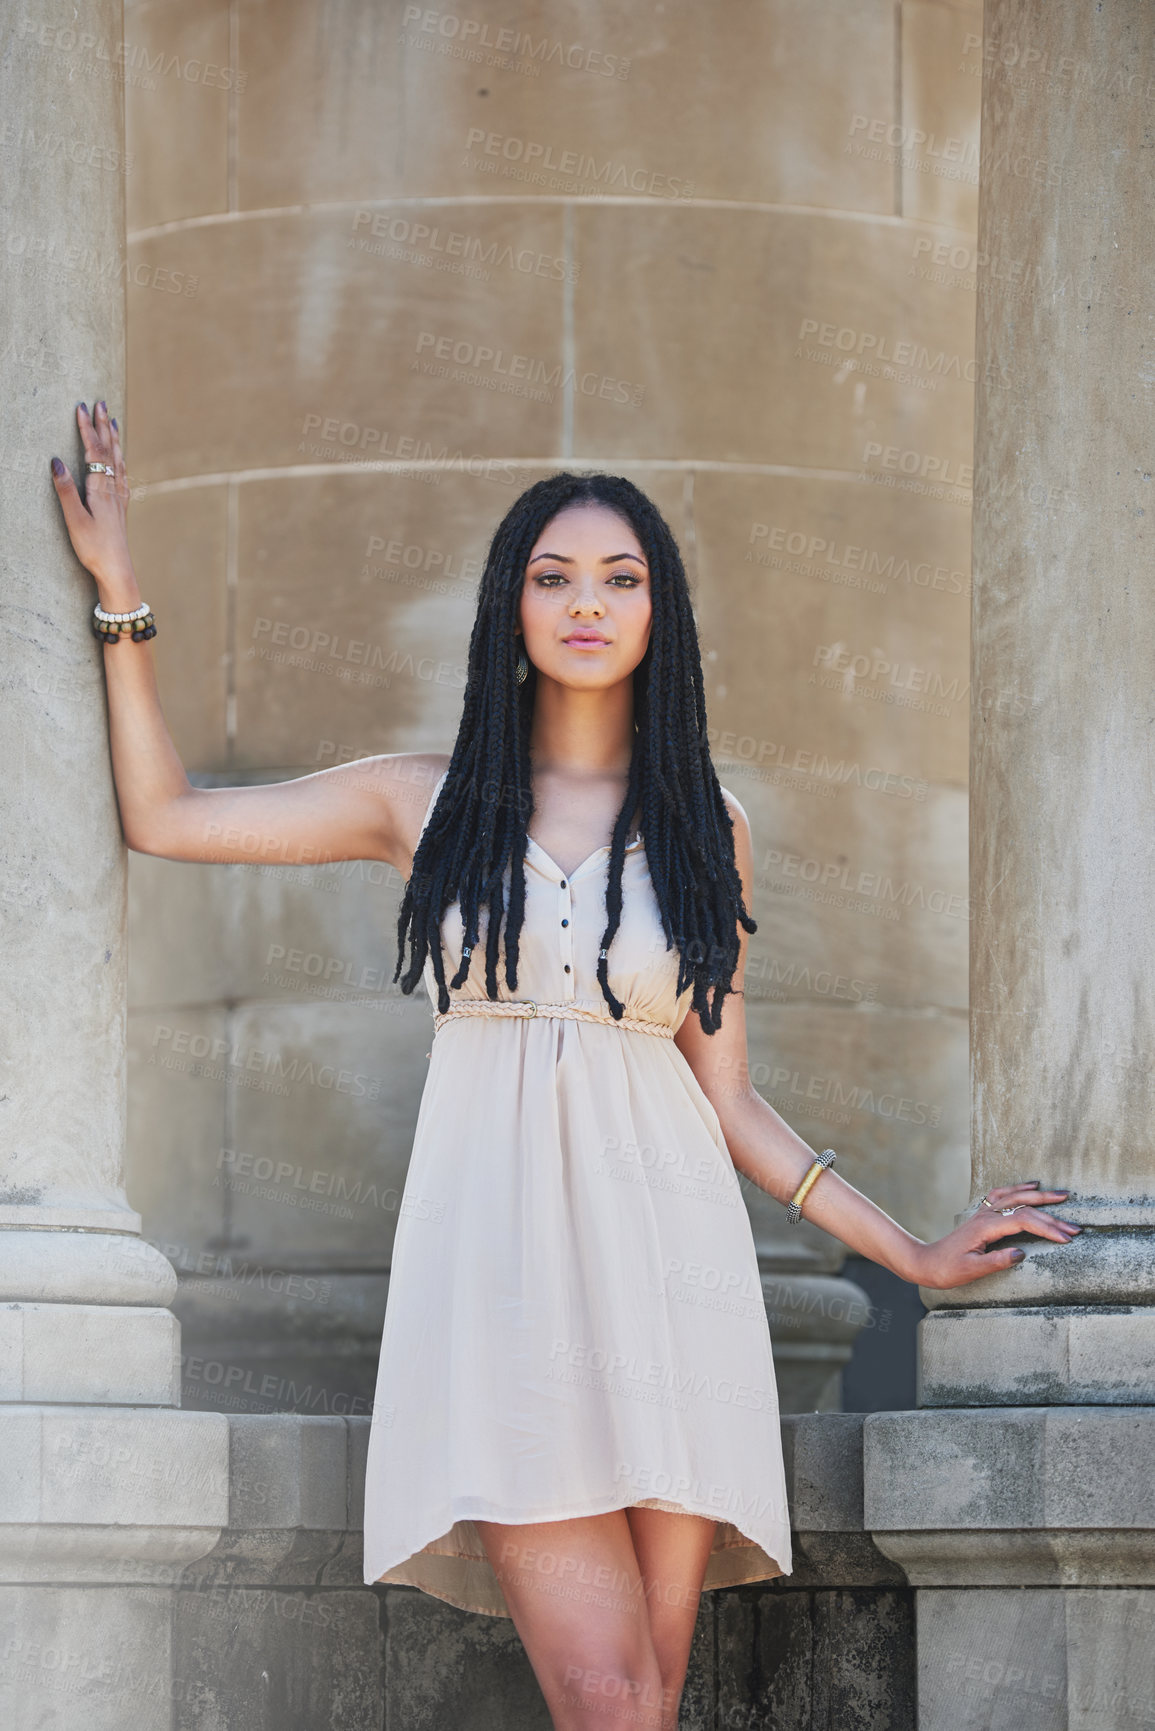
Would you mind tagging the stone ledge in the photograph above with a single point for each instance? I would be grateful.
(1105, 1264)
(1026, 1468)
(89, 1354)
(1053, 1356)
(1108, 1557)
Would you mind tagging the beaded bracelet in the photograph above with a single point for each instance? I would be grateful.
(112, 627)
(814, 1173)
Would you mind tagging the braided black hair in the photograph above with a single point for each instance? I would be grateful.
(479, 823)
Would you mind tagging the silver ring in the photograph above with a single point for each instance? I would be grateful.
(100, 469)
(995, 1210)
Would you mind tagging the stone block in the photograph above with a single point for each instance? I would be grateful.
(820, 348)
(180, 84)
(871, 680)
(844, 1657)
(266, 1659)
(626, 102)
(179, 1080)
(287, 1471)
(84, 1660)
(941, 67)
(886, 1089)
(1028, 1495)
(443, 1665)
(109, 1355)
(1057, 1356)
(1035, 1659)
(180, 551)
(472, 377)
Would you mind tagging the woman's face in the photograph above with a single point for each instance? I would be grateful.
(586, 606)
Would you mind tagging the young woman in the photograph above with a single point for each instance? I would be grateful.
(576, 1421)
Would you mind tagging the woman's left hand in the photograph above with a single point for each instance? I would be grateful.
(963, 1256)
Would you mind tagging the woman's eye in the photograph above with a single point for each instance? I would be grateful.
(630, 577)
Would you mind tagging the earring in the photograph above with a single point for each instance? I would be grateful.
(522, 668)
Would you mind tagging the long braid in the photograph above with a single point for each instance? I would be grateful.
(478, 827)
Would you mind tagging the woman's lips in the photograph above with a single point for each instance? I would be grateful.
(586, 642)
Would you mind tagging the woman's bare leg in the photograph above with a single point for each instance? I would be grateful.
(577, 1599)
(672, 1552)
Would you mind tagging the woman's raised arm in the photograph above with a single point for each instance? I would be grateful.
(371, 809)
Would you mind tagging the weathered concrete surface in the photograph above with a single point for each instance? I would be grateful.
(65, 1221)
(1062, 862)
(1026, 1495)
(63, 1099)
(1048, 1356)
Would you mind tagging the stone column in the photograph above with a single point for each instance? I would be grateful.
(84, 1298)
(1047, 1492)
(95, 1488)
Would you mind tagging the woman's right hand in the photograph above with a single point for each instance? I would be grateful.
(96, 524)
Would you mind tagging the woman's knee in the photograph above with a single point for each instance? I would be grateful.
(624, 1687)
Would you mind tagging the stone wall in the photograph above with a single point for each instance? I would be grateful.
(389, 266)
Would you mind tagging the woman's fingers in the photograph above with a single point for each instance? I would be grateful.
(1006, 1195)
(73, 506)
(1034, 1220)
(89, 435)
(96, 520)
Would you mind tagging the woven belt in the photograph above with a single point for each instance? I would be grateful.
(525, 1009)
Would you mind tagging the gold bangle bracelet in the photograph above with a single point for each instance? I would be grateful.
(814, 1173)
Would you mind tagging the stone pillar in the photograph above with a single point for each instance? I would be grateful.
(85, 1299)
(94, 1486)
(1047, 1493)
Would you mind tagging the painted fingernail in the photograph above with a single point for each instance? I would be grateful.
(114, 423)
(83, 406)
(57, 466)
(102, 406)
(1017, 1255)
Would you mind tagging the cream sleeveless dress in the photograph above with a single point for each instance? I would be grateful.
(575, 1321)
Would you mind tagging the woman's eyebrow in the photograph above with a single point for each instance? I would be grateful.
(610, 558)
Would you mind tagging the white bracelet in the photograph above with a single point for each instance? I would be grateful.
(121, 618)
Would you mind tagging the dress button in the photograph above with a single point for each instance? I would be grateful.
(567, 967)
(565, 922)
(563, 883)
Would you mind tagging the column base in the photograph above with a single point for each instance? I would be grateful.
(1053, 1355)
(814, 1321)
(92, 1354)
